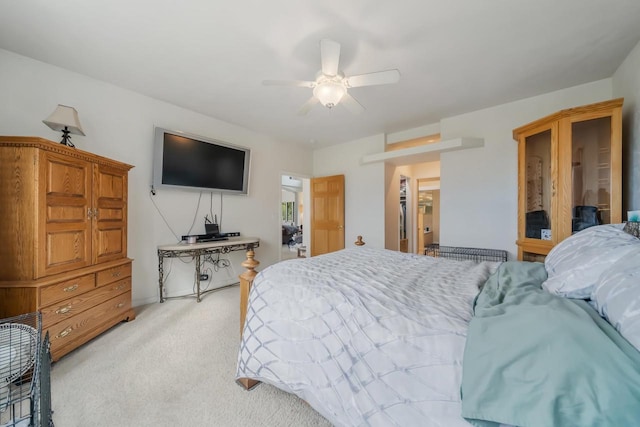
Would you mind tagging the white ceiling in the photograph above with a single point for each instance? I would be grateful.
(211, 56)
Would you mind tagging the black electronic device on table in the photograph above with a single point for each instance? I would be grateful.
(211, 228)
(231, 234)
(204, 237)
(211, 237)
(208, 238)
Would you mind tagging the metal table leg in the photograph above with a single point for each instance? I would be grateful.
(161, 274)
(197, 260)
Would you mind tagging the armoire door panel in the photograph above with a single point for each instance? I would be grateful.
(67, 250)
(65, 177)
(111, 185)
(109, 244)
(62, 213)
(110, 214)
(66, 230)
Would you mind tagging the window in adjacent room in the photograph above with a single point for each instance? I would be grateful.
(288, 212)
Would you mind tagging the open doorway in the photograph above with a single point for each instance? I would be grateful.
(405, 212)
(293, 221)
(428, 213)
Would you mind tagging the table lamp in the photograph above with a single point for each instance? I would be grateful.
(65, 119)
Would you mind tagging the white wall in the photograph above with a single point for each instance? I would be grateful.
(626, 84)
(364, 187)
(119, 124)
(478, 187)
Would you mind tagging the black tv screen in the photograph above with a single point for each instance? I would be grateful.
(190, 161)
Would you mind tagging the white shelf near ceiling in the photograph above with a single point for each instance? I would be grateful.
(423, 153)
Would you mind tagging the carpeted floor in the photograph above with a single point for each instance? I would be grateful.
(172, 366)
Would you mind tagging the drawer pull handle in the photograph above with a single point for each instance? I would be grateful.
(63, 310)
(117, 288)
(116, 274)
(120, 305)
(65, 332)
(71, 288)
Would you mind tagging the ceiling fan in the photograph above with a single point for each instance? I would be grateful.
(331, 85)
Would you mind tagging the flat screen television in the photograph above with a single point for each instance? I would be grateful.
(188, 161)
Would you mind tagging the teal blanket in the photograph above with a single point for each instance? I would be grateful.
(535, 359)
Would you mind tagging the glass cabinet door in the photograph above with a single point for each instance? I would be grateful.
(590, 173)
(538, 186)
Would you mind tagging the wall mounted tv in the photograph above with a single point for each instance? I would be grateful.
(188, 161)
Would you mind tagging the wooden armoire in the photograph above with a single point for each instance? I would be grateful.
(63, 235)
(569, 175)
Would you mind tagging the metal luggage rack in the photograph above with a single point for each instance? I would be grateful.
(465, 254)
(25, 362)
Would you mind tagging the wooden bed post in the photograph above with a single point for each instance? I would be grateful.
(246, 280)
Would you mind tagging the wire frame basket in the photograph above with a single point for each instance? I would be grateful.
(22, 354)
(465, 254)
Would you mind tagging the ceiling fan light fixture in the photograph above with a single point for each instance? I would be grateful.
(331, 86)
(329, 93)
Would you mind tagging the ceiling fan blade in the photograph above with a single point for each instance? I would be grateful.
(308, 106)
(299, 83)
(370, 79)
(351, 104)
(330, 57)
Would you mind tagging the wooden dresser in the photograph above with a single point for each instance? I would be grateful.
(63, 239)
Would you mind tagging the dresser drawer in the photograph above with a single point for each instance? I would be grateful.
(79, 327)
(72, 306)
(68, 288)
(112, 274)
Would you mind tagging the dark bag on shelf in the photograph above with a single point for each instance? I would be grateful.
(584, 217)
(535, 222)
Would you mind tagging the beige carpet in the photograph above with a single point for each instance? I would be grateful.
(172, 366)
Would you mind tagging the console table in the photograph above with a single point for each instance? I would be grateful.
(196, 251)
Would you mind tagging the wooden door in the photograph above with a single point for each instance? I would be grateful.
(327, 214)
(64, 215)
(420, 233)
(109, 213)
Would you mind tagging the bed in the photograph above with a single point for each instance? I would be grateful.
(374, 337)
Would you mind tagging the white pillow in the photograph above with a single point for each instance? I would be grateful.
(617, 296)
(575, 264)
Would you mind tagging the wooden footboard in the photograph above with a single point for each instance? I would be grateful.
(246, 280)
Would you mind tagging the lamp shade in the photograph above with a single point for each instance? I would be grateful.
(329, 93)
(64, 117)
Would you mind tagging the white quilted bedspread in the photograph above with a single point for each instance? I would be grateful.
(366, 336)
